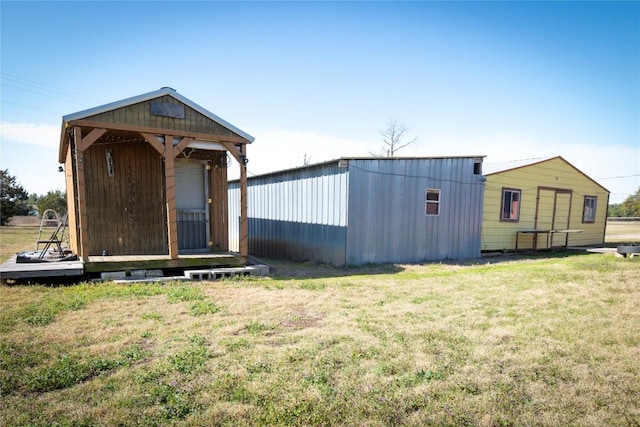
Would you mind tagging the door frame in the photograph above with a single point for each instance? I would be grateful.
(555, 191)
(205, 206)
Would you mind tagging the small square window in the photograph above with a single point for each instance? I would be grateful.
(432, 202)
(589, 209)
(510, 210)
(477, 167)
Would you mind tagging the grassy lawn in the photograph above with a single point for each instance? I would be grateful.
(547, 340)
(623, 231)
(544, 341)
(18, 239)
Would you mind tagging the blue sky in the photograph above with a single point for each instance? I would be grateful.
(319, 80)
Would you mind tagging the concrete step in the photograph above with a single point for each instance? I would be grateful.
(222, 273)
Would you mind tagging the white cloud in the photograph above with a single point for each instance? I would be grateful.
(30, 133)
(599, 162)
(277, 149)
(30, 152)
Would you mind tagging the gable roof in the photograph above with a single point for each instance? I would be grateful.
(149, 96)
(501, 167)
(491, 168)
(202, 120)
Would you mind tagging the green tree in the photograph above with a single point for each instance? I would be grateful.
(55, 200)
(614, 210)
(28, 206)
(631, 205)
(33, 200)
(11, 194)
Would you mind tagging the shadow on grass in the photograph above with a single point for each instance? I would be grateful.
(290, 270)
(47, 281)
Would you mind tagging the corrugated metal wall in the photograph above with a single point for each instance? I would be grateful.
(299, 214)
(372, 211)
(387, 220)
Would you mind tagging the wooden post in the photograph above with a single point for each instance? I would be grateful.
(244, 223)
(169, 153)
(218, 208)
(81, 196)
(72, 201)
(239, 153)
(170, 183)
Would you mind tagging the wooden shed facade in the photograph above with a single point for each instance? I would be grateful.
(148, 176)
(540, 204)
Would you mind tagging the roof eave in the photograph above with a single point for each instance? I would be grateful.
(546, 160)
(64, 143)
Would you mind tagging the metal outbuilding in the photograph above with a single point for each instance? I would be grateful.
(355, 211)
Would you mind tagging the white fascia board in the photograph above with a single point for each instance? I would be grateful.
(117, 104)
(212, 116)
(204, 145)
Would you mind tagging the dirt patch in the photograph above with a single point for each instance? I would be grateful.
(302, 320)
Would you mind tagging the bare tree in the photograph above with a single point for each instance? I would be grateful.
(394, 137)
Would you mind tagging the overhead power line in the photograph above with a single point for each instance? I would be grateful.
(27, 85)
(620, 177)
(48, 95)
(33, 108)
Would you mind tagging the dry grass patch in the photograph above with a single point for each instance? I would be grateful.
(18, 239)
(623, 231)
(541, 341)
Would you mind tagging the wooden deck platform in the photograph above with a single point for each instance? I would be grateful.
(99, 264)
(14, 270)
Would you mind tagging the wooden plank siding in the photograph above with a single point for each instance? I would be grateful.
(129, 207)
(550, 190)
(139, 115)
(126, 210)
(218, 208)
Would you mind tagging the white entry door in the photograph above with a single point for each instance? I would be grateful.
(191, 205)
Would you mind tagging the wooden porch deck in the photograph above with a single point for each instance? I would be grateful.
(38, 270)
(99, 264)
